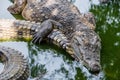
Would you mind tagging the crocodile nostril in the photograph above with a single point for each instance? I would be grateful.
(95, 68)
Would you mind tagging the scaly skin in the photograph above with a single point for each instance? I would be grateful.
(15, 66)
(15, 29)
(80, 39)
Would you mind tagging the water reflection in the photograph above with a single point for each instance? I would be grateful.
(56, 66)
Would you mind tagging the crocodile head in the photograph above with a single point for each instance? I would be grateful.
(86, 46)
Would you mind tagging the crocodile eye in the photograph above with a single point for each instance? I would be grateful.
(87, 58)
(97, 60)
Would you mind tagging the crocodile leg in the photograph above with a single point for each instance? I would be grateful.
(45, 29)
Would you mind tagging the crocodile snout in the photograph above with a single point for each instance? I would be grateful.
(95, 68)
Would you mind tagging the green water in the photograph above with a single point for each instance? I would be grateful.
(56, 64)
(108, 27)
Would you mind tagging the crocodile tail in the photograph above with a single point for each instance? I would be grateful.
(14, 29)
(15, 65)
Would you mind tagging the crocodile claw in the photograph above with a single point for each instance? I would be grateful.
(37, 38)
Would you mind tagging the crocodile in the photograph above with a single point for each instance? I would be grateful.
(61, 18)
(58, 22)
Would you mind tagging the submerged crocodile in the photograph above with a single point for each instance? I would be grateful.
(61, 23)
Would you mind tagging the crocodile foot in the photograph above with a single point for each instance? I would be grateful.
(45, 29)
